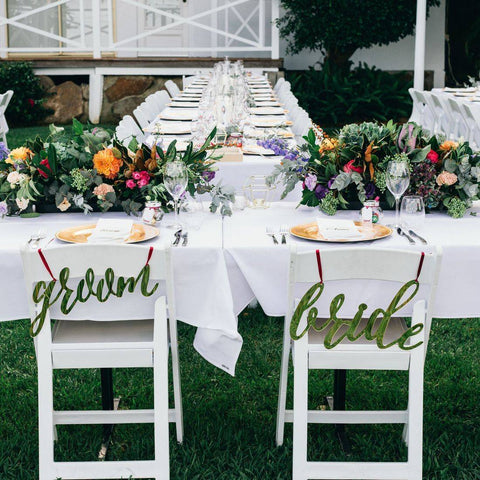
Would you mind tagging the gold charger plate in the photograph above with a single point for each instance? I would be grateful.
(80, 233)
(309, 231)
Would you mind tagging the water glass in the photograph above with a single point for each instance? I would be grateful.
(412, 214)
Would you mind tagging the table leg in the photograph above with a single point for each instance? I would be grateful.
(108, 403)
(337, 402)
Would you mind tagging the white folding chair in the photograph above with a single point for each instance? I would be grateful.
(143, 115)
(163, 98)
(186, 81)
(459, 128)
(278, 84)
(472, 119)
(421, 111)
(123, 343)
(4, 101)
(128, 129)
(443, 114)
(172, 88)
(354, 267)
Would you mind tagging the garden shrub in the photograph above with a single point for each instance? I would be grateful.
(25, 107)
(333, 97)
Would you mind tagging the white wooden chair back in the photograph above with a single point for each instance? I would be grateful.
(162, 98)
(186, 81)
(444, 115)
(421, 111)
(472, 119)
(460, 127)
(4, 101)
(386, 265)
(279, 83)
(127, 129)
(142, 116)
(172, 88)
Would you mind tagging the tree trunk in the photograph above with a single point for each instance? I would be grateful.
(339, 58)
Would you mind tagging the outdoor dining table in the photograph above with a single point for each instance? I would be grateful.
(223, 269)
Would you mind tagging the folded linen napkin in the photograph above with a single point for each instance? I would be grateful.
(111, 231)
(333, 229)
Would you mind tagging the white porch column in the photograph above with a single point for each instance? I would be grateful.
(275, 32)
(3, 31)
(420, 33)
(95, 98)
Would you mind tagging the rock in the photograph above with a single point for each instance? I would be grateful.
(125, 106)
(46, 82)
(66, 102)
(85, 91)
(127, 86)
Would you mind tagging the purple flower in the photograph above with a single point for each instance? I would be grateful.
(208, 176)
(310, 181)
(370, 190)
(4, 152)
(320, 191)
(330, 182)
(3, 209)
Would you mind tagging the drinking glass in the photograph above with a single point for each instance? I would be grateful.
(412, 212)
(398, 180)
(175, 179)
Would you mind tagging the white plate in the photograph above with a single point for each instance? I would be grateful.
(169, 128)
(257, 150)
(262, 90)
(269, 122)
(267, 111)
(179, 115)
(267, 103)
(183, 104)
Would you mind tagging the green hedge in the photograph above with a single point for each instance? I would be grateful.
(333, 97)
(25, 107)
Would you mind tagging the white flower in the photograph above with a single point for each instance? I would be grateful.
(13, 178)
(22, 203)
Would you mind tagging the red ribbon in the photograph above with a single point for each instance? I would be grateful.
(150, 253)
(420, 265)
(45, 263)
(319, 264)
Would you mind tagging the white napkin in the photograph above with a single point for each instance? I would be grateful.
(333, 229)
(111, 231)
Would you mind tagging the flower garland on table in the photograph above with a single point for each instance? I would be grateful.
(350, 167)
(89, 169)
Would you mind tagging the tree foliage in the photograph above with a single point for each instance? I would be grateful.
(339, 27)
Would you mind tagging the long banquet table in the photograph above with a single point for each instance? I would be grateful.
(214, 283)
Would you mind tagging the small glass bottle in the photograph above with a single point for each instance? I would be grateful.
(152, 212)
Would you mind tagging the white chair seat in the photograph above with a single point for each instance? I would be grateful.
(89, 332)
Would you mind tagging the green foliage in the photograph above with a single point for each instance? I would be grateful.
(339, 28)
(333, 97)
(25, 107)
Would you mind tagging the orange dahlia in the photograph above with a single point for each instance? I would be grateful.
(106, 163)
(19, 155)
(328, 144)
(448, 145)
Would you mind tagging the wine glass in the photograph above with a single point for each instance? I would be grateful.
(397, 180)
(412, 212)
(175, 179)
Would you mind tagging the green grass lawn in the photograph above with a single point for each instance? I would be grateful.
(230, 422)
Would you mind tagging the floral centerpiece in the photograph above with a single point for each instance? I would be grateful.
(344, 170)
(88, 169)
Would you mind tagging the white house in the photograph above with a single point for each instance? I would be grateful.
(127, 37)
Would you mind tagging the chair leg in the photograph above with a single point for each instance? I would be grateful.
(45, 411)
(300, 409)
(282, 389)
(177, 388)
(415, 414)
(160, 387)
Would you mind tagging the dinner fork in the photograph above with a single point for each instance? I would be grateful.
(270, 232)
(283, 233)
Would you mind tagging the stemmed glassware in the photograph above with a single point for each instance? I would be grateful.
(175, 179)
(397, 180)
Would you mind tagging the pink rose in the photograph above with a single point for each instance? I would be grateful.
(131, 184)
(433, 156)
(349, 167)
(136, 175)
(141, 183)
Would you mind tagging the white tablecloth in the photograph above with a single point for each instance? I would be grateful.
(212, 285)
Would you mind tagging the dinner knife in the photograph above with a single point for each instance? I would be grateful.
(411, 232)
